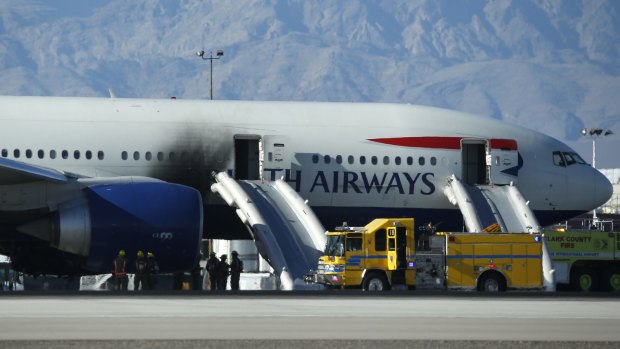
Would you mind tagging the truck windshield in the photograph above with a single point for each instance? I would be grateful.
(335, 245)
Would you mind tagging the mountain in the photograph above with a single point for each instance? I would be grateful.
(550, 65)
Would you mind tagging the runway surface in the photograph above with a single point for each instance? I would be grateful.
(290, 317)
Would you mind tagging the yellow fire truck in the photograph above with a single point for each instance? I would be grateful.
(586, 260)
(383, 254)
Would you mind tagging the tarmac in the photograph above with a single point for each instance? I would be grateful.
(309, 320)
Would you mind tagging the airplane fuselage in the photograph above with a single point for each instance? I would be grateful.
(353, 162)
(351, 156)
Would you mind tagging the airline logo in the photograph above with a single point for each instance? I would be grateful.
(357, 182)
(452, 143)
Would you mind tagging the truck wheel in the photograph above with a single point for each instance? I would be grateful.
(612, 280)
(375, 282)
(584, 279)
(491, 282)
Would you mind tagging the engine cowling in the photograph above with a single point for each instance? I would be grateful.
(155, 216)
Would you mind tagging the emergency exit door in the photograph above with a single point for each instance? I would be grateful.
(247, 157)
(473, 155)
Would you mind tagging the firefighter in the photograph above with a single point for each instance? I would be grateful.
(140, 270)
(223, 271)
(119, 270)
(236, 267)
(152, 269)
(212, 268)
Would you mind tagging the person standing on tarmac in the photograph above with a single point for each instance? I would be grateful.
(223, 271)
(140, 272)
(119, 270)
(152, 269)
(236, 267)
(212, 268)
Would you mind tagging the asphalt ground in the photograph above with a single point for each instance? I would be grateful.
(272, 319)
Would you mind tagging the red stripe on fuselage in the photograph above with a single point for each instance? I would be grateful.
(442, 142)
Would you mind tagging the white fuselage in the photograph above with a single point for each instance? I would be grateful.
(328, 152)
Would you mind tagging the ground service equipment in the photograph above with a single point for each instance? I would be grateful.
(383, 255)
(586, 260)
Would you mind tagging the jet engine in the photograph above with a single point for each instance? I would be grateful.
(129, 213)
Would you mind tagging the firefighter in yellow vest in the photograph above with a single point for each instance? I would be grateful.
(140, 272)
(119, 270)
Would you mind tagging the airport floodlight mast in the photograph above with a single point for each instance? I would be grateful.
(595, 133)
(218, 55)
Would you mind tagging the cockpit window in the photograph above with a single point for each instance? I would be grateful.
(574, 157)
(558, 159)
(567, 158)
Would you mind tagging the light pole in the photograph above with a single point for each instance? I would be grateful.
(595, 133)
(218, 55)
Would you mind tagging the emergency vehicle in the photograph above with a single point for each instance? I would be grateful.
(385, 253)
(586, 260)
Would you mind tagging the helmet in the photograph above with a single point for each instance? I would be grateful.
(121, 253)
(234, 253)
(140, 253)
(212, 254)
(150, 254)
(223, 257)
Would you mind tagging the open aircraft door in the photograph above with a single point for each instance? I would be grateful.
(502, 161)
(276, 156)
(489, 161)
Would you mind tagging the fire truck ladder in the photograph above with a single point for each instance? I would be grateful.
(284, 228)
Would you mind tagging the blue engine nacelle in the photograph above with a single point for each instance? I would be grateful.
(159, 217)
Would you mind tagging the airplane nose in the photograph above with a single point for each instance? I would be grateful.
(603, 189)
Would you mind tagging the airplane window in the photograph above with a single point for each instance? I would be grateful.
(315, 158)
(421, 161)
(574, 156)
(339, 159)
(136, 155)
(327, 159)
(76, 154)
(88, 155)
(373, 160)
(160, 156)
(351, 159)
(16, 153)
(100, 155)
(124, 155)
(5, 153)
(52, 154)
(147, 156)
(65, 154)
(569, 159)
(362, 160)
(397, 160)
(409, 160)
(433, 161)
(558, 159)
(28, 153)
(172, 156)
(386, 160)
(41, 154)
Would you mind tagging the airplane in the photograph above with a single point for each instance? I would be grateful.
(81, 178)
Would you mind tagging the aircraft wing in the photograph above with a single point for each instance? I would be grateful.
(15, 172)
